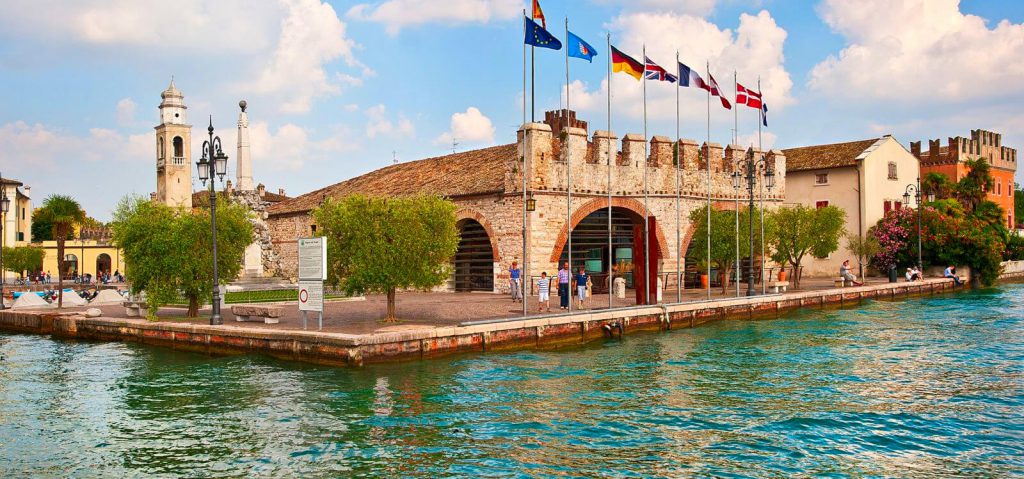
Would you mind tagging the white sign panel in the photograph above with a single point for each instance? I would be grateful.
(311, 296)
(313, 259)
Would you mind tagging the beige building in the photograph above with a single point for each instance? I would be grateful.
(17, 222)
(174, 151)
(863, 178)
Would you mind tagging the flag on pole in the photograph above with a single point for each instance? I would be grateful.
(764, 114)
(578, 48)
(713, 88)
(626, 64)
(746, 96)
(688, 77)
(538, 14)
(539, 37)
(655, 72)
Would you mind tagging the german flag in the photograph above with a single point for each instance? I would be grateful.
(626, 64)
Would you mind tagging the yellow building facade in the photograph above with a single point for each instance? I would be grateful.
(87, 256)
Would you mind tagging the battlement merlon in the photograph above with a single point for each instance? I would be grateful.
(981, 144)
(547, 155)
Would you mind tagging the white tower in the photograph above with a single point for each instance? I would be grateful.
(244, 170)
(174, 151)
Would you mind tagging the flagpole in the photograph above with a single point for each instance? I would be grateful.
(524, 68)
(611, 161)
(679, 160)
(647, 242)
(533, 77)
(568, 166)
(707, 164)
(736, 201)
(759, 147)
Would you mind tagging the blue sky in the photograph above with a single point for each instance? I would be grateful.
(337, 88)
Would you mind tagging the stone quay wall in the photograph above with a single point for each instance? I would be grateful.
(530, 333)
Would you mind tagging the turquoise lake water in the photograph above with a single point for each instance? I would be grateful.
(930, 387)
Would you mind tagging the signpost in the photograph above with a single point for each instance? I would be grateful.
(312, 273)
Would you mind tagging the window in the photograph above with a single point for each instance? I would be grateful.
(312, 229)
(820, 204)
(892, 171)
(999, 187)
(821, 179)
(179, 151)
(897, 205)
(887, 206)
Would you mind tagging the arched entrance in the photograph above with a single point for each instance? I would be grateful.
(474, 259)
(103, 264)
(70, 266)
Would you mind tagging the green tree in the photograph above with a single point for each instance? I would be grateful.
(168, 254)
(938, 184)
(1018, 204)
(723, 239)
(24, 258)
(63, 213)
(380, 245)
(972, 188)
(863, 247)
(797, 231)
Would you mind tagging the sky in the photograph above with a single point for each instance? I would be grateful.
(336, 89)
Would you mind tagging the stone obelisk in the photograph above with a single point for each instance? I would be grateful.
(244, 156)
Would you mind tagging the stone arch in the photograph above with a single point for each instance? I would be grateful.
(582, 212)
(469, 214)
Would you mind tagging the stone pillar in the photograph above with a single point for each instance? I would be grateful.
(661, 152)
(733, 155)
(688, 154)
(244, 168)
(605, 147)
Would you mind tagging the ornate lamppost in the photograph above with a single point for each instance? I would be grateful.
(915, 190)
(5, 206)
(213, 162)
(753, 165)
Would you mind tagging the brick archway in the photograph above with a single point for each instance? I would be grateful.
(470, 214)
(629, 204)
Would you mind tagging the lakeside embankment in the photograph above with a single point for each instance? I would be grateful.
(544, 332)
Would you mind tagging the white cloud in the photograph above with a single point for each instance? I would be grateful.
(311, 36)
(581, 99)
(918, 51)
(399, 14)
(378, 123)
(768, 140)
(49, 148)
(754, 49)
(126, 108)
(470, 126)
(690, 7)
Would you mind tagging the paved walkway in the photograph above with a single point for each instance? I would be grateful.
(430, 310)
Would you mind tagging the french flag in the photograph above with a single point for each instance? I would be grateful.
(688, 77)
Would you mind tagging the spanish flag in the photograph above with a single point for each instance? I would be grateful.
(538, 14)
(626, 64)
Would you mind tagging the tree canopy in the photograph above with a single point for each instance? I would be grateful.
(63, 213)
(381, 245)
(167, 252)
(723, 238)
(23, 258)
(797, 231)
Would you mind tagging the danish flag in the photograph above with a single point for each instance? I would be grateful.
(746, 96)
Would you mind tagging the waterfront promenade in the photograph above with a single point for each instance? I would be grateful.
(426, 339)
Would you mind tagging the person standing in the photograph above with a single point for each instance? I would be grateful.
(515, 282)
(581, 286)
(543, 292)
(563, 286)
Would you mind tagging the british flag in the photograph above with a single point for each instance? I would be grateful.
(654, 72)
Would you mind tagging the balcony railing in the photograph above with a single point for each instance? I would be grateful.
(178, 161)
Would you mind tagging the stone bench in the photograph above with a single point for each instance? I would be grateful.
(841, 282)
(249, 312)
(135, 309)
(778, 286)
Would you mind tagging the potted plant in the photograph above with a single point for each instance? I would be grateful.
(702, 267)
(782, 272)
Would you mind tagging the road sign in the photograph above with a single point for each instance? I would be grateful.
(311, 296)
(313, 259)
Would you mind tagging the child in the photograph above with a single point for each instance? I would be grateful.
(581, 286)
(543, 291)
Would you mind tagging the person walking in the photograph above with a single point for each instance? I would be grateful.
(543, 292)
(515, 282)
(563, 286)
(581, 286)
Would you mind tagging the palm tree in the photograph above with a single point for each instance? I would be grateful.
(64, 213)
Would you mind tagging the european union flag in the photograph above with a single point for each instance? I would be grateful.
(539, 37)
(579, 48)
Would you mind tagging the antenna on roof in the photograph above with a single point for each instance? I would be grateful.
(455, 144)
(394, 158)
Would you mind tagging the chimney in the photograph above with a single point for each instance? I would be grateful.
(229, 188)
(280, 191)
(261, 189)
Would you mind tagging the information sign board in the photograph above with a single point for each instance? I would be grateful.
(311, 296)
(313, 259)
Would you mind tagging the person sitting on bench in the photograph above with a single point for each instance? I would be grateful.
(951, 273)
(844, 272)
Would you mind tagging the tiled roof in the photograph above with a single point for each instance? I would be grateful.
(818, 157)
(273, 197)
(458, 174)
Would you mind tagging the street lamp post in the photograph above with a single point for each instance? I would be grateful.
(915, 190)
(5, 206)
(769, 177)
(737, 183)
(213, 162)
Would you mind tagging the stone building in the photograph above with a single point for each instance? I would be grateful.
(487, 186)
(949, 160)
(863, 178)
(174, 150)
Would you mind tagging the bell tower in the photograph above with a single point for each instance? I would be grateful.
(174, 151)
